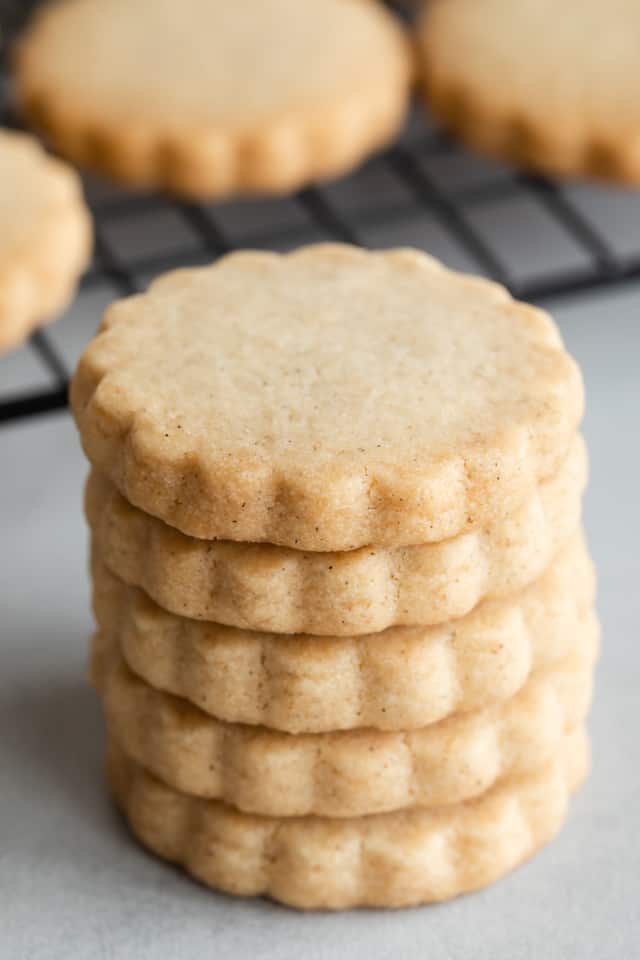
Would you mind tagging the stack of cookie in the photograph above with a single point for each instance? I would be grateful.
(345, 611)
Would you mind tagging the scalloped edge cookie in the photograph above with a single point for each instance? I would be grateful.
(536, 128)
(277, 589)
(387, 860)
(231, 491)
(39, 275)
(277, 153)
(349, 773)
(400, 679)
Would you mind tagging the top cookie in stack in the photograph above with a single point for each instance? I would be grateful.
(326, 400)
(339, 580)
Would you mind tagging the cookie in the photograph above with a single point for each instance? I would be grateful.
(326, 399)
(403, 678)
(45, 236)
(350, 773)
(388, 860)
(207, 97)
(521, 83)
(262, 587)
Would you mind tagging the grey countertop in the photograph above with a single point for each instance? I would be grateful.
(73, 885)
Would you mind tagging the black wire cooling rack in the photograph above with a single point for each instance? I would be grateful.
(542, 240)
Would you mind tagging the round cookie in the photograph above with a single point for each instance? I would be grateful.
(45, 236)
(546, 90)
(207, 97)
(349, 773)
(400, 679)
(326, 399)
(264, 587)
(387, 860)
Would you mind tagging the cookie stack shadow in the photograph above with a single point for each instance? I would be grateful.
(386, 725)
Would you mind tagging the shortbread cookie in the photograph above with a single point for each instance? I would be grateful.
(350, 773)
(263, 587)
(45, 236)
(403, 678)
(521, 82)
(326, 399)
(389, 860)
(207, 97)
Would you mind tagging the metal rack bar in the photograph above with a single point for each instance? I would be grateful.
(34, 404)
(326, 216)
(425, 188)
(557, 204)
(49, 356)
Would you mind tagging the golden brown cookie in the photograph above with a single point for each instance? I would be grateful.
(326, 400)
(387, 860)
(207, 97)
(45, 236)
(400, 679)
(263, 587)
(350, 773)
(548, 91)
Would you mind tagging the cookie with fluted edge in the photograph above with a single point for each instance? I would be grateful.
(386, 860)
(400, 679)
(45, 236)
(326, 399)
(210, 98)
(551, 93)
(264, 587)
(348, 773)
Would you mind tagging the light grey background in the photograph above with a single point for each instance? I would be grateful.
(73, 886)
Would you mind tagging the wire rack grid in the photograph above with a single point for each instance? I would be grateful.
(541, 239)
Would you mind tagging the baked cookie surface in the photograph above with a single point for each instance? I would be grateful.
(207, 97)
(45, 236)
(543, 88)
(400, 679)
(264, 587)
(389, 860)
(348, 773)
(326, 399)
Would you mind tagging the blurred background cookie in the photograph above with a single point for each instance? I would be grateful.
(45, 236)
(546, 86)
(207, 97)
